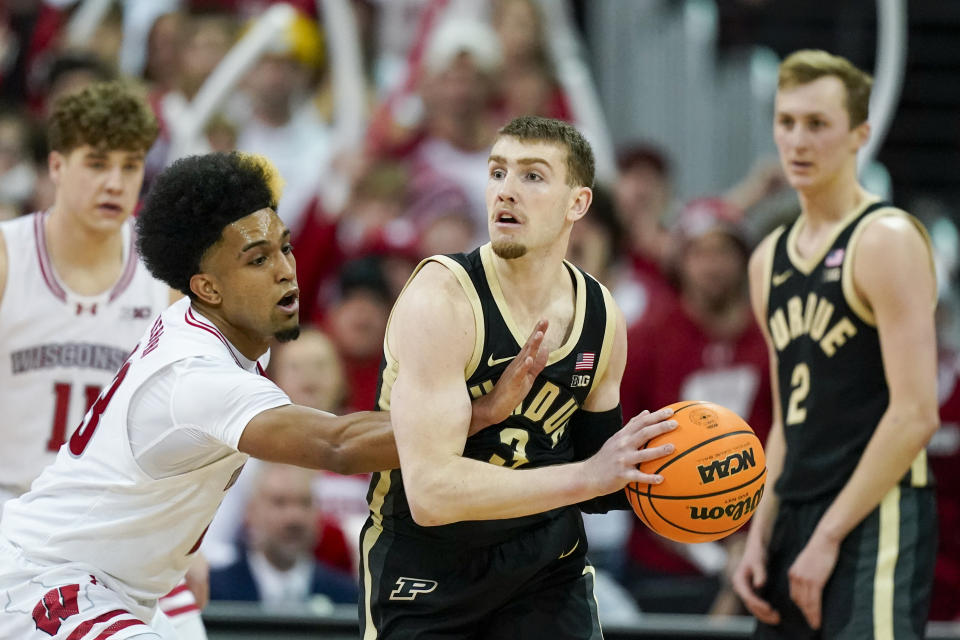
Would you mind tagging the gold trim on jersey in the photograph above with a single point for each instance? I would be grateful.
(471, 292)
(589, 569)
(390, 371)
(807, 265)
(919, 476)
(486, 257)
(856, 302)
(768, 258)
(888, 548)
(467, 284)
(370, 537)
(609, 332)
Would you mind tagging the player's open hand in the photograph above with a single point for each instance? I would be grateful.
(749, 576)
(615, 465)
(514, 384)
(808, 575)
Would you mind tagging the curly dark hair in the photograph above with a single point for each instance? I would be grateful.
(106, 115)
(190, 204)
(580, 164)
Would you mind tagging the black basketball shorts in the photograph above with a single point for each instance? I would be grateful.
(536, 584)
(880, 587)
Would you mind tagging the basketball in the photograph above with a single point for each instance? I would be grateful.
(712, 482)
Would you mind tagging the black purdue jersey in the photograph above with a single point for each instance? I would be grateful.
(833, 391)
(537, 433)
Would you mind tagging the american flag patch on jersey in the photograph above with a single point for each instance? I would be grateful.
(834, 258)
(585, 361)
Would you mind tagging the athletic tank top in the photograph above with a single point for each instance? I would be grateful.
(833, 391)
(536, 434)
(60, 349)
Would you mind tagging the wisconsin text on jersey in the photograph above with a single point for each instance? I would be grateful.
(69, 355)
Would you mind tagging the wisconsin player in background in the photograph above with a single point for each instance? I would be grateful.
(114, 522)
(476, 538)
(844, 545)
(74, 295)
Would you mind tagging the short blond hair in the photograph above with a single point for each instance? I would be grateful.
(808, 65)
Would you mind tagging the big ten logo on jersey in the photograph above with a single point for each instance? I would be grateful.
(580, 380)
(814, 319)
(547, 407)
(136, 313)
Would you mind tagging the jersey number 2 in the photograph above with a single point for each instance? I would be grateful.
(81, 437)
(61, 409)
(800, 381)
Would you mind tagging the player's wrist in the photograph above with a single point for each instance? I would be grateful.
(586, 484)
(756, 538)
(828, 533)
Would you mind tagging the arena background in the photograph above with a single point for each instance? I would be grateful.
(694, 77)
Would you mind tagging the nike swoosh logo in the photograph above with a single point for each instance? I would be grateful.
(564, 555)
(779, 278)
(492, 362)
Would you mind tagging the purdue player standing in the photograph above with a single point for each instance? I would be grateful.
(844, 546)
(475, 539)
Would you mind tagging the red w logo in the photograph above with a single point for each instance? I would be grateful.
(57, 604)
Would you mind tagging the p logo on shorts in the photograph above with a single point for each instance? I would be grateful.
(410, 588)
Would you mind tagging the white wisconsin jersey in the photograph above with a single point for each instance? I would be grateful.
(58, 349)
(97, 506)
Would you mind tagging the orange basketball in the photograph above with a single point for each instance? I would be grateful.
(712, 482)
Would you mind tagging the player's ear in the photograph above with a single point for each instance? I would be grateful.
(861, 133)
(205, 287)
(582, 197)
(55, 162)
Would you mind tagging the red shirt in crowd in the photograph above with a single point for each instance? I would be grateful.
(671, 358)
(943, 454)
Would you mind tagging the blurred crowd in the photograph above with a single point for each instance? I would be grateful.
(437, 82)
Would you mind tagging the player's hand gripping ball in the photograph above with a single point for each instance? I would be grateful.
(713, 481)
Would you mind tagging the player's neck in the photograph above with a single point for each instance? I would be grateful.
(530, 283)
(87, 261)
(832, 201)
(249, 345)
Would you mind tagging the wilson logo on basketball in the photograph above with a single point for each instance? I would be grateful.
(734, 510)
(732, 464)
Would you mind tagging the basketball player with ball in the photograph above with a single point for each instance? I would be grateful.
(843, 544)
(476, 537)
